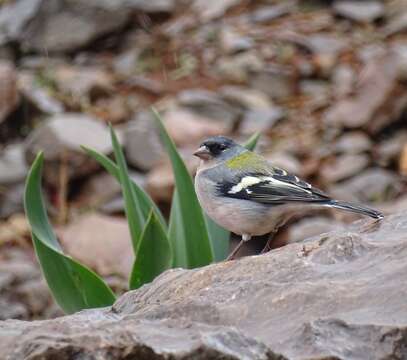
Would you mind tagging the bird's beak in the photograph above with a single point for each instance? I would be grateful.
(203, 153)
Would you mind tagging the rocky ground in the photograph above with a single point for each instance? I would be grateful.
(324, 81)
(340, 295)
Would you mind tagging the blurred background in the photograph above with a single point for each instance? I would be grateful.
(323, 81)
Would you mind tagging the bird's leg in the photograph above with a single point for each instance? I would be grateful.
(245, 237)
(269, 241)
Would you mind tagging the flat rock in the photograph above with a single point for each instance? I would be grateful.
(344, 166)
(60, 138)
(9, 96)
(361, 11)
(292, 303)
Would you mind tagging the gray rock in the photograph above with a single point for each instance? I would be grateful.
(343, 78)
(208, 104)
(142, 142)
(276, 81)
(148, 6)
(246, 98)
(11, 200)
(361, 11)
(260, 120)
(310, 227)
(355, 142)
(343, 167)
(266, 14)
(389, 150)
(60, 138)
(232, 42)
(14, 16)
(373, 185)
(292, 303)
(212, 9)
(13, 167)
(8, 90)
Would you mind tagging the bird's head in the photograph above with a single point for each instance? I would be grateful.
(218, 148)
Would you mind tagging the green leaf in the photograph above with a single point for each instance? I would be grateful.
(187, 230)
(74, 286)
(144, 201)
(154, 254)
(252, 142)
(220, 237)
(135, 218)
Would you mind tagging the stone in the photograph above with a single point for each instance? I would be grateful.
(276, 81)
(389, 150)
(397, 24)
(247, 98)
(208, 104)
(13, 167)
(374, 104)
(232, 42)
(360, 11)
(11, 200)
(152, 7)
(260, 120)
(9, 96)
(355, 142)
(372, 185)
(188, 128)
(268, 13)
(14, 16)
(292, 303)
(38, 96)
(310, 227)
(60, 138)
(239, 67)
(343, 167)
(142, 142)
(212, 9)
(98, 241)
(343, 78)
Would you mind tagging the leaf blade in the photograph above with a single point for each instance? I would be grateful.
(74, 286)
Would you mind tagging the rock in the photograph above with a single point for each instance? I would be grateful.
(389, 150)
(14, 228)
(343, 167)
(247, 98)
(98, 241)
(23, 292)
(397, 24)
(232, 42)
(13, 167)
(239, 67)
(374, 104)
(14, 16)
(361, 11)
(11, 200)
(354, 142)
(317, 91)
(37, 95)
(276, 81)
(60, 138)
(373, 185)
(267, 13)
(343, 78)
(8, 90)
(260, 120)
(156, 6)
(302, 308)
(208, 104)
(310, 227)
(188, 128)
(212, 9)
(82, 83)
(142, 142)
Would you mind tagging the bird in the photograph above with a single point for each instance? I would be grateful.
(244, 193)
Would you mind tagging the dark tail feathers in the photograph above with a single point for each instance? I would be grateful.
(360, 209)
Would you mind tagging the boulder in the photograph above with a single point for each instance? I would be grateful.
(339, 295)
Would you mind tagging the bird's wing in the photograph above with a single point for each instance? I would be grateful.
(274, 186)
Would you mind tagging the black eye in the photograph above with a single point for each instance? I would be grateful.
(222, 147)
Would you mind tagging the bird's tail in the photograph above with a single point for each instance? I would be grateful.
(356, 208)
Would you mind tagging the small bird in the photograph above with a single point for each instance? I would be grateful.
(244, 193)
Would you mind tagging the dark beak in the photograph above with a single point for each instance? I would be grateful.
(203, 153)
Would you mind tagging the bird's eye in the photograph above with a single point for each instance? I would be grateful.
(222, 147)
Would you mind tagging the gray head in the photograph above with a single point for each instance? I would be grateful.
(218, 148)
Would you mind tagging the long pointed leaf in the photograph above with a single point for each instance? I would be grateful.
(135, 218)
(143, 199)
(154, 254)
(220, 237)
(74, 286)
(187, 230)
